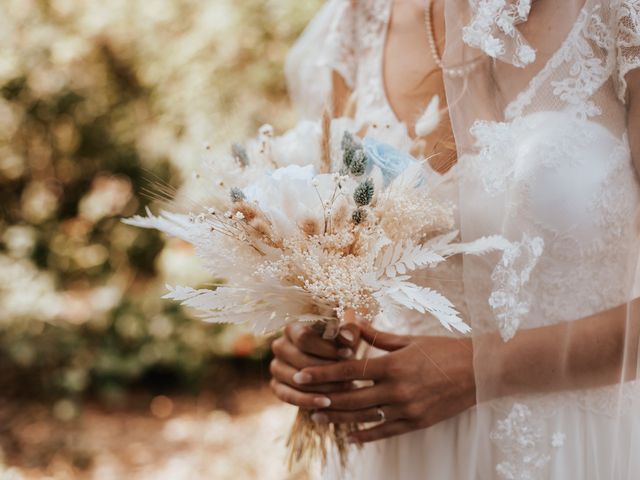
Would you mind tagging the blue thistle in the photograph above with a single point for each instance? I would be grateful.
(364, 193)
(240, 154)
(358, 216)
(359, 163)
(237, 195)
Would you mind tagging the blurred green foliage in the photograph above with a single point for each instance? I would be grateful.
(99, 101)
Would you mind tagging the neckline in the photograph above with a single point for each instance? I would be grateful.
(524, 98)
(381, 79)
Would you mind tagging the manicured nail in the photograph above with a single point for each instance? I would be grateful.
(320, 418)
(322, 402)
(347, 335)
(345, 353)
(302, 378)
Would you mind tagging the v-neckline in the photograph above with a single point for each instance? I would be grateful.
(381, 74)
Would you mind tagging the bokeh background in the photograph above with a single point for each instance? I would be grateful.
(103, 104)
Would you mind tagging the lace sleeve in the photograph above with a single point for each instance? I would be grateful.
(628, 42)
(327, 45)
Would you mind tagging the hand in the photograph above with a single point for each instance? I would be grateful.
(422, 381)
(302, 346)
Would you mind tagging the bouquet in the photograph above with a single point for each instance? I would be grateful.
(307, 242)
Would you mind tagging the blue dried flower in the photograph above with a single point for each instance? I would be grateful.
(391, 161)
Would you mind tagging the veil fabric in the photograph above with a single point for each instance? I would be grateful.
(540, 124)
(544, 159)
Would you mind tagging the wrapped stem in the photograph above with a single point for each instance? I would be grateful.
(309, 441)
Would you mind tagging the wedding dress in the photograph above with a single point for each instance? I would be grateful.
(544, 160)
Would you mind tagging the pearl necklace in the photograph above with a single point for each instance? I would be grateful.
(459, 72)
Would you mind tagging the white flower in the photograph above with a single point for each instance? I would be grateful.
(292, 195)
(299, 146)
(294, 172)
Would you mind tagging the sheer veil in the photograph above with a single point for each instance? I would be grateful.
(540, 123)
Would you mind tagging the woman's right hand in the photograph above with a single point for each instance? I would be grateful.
(302, 346)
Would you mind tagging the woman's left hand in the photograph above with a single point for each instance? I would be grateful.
(420, 382)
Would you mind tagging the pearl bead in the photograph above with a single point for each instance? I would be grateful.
(450, 72)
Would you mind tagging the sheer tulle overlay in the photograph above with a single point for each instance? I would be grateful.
(540, 125)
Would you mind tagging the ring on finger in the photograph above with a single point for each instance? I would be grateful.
(381, 415)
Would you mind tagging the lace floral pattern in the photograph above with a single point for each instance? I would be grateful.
(628, 42)
(586, 71)
(509, 299)
(493, 30)
(340, 53)
(520, 436)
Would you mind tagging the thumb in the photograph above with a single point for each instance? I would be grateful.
(382, 340)
(349, 333)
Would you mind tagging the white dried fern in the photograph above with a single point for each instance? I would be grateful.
(404, 257)
(267, 308)
(425, 300)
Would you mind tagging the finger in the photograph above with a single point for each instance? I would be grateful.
(361, 398)
(304, 337)
(383, 340)
(366, 415)
(284, 350)
(349, 336)
(299, 399)
(383, 430)
(284, 373)
(366, 369)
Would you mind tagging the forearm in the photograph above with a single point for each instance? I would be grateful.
(594, 351)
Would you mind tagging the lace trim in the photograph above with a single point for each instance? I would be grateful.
(493, 30)
(520, 437)
(587, 72)
(526, 435)
(341, 51)
(495, 159)
(628, 43)
(509, 300)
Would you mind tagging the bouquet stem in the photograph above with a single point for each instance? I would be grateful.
(309, 441)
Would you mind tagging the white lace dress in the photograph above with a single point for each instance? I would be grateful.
(554, 171)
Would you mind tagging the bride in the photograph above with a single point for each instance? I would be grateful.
(537, 103)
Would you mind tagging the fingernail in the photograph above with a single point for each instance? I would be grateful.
(347, 335)
(352, 440)
(319, 418)
(322, 402)
(301, 378)
(345, 353)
